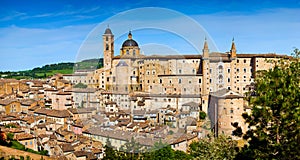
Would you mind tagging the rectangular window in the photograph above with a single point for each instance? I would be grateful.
(199, 80)
(179, 81)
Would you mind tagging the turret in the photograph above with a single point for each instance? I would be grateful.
(233, 50)
(205, 50)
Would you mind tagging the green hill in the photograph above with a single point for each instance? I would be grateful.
(52, 69)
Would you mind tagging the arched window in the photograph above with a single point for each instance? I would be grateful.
(133, 52)
(127, 52)
(220, 79)
(220, 69)
(106, 47)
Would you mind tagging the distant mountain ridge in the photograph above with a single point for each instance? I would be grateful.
(51, 69)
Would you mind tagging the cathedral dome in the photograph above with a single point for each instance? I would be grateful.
(130, 42)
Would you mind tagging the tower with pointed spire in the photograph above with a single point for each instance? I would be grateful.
(205, 50)
(233, 64)
(233, 50)
(205, 76)
(108, 48)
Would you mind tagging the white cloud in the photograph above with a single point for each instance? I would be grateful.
(12, 15)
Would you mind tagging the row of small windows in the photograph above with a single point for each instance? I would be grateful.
(179, 81)
(228, 70)
(238, 61)
(89, 81)
(184, 89)
(238, 70)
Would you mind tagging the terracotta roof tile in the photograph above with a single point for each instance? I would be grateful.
(23, 136)
(66, 147)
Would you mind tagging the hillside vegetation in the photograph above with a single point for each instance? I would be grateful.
(52, 69)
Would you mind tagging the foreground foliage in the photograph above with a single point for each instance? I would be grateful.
(275, 118)
(214, 148)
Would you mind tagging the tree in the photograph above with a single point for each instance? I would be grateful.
(165, 153)
(131, 149)
(274, 120)
(80, 85)
(110, 153)
(221, 147)
(182, 155)
(202, 115)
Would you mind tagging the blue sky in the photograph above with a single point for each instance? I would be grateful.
(34, 33)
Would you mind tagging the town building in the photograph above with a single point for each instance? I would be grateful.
(152, 82)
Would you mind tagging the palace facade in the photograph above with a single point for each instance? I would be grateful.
(216, 81)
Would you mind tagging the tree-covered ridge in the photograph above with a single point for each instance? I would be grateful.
(52, 69)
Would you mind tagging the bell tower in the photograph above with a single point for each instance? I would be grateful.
(205, 76)
(233, 66)
(108, 48)
(233, 50)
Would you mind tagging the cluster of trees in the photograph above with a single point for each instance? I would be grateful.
(275, 118)
(274, 124)
(51, 67)
(211, 148)
(89, 64)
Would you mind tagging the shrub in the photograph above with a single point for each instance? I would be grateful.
(202, 115)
